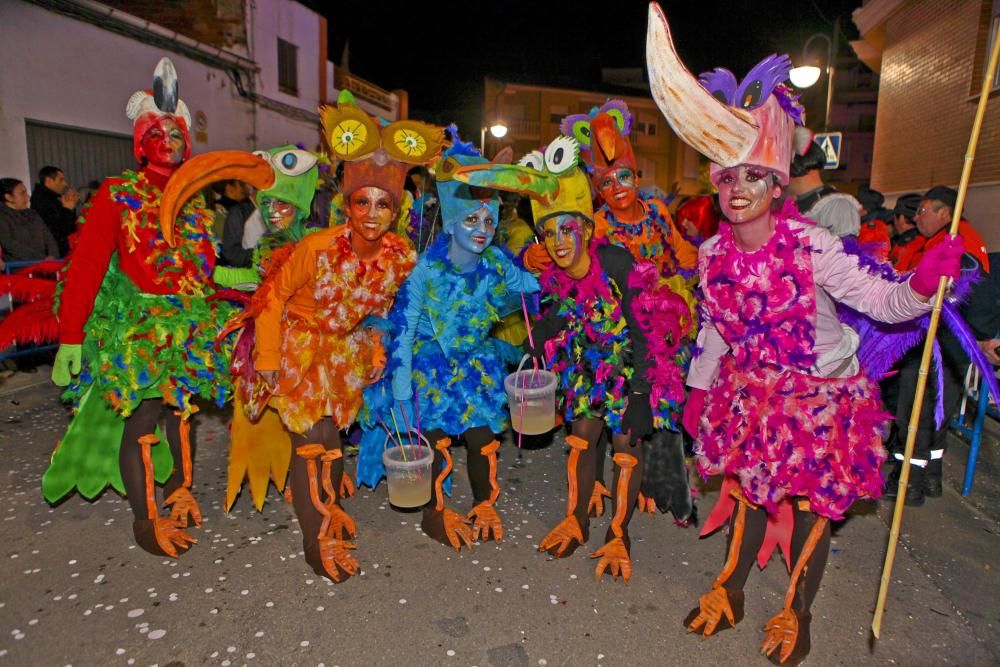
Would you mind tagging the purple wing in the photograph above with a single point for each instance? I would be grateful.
(721, 83)
(622, 108)
(761, 80)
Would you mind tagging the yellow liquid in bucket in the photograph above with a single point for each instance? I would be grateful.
(409, 490)
(536, 420)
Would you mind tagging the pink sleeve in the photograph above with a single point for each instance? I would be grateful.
(840, 276)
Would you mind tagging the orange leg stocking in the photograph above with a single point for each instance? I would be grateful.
(334, 558)
(568, 534)
(445, 525)
(614, 555)
(788, 630)
(484, 516)
(157, 535)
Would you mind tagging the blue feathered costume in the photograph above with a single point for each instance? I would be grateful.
(439, 350)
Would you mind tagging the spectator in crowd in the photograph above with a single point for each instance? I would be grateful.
(228, 194)
(56, 203)
(234, 251)
(836, 211)
(23, 234)
(907, 243)
(874, 231)
(980, 312)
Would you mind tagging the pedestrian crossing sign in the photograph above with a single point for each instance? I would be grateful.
(830, 143)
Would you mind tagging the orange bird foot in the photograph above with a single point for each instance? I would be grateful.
(614, 560)
(332, 558)
(563, 540)
(182, 504)
(339, 525)
(347, 488)
(161, 537)
(718, 609)
(485, 521)
(596, 505)
(786, 641)
(448, 527)
(288, 493)
(646, 504)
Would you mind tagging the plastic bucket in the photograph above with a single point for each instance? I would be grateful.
(531, 396)
(409, 474)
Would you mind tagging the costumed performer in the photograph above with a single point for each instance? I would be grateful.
(611, 334)
(779, 407)
(442, 355)
(138, 332)
(315, 347)
(285, 179)
(642, 225)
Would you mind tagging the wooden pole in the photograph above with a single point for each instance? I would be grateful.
(925, 361)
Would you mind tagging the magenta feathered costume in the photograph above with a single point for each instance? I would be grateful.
(769, 421)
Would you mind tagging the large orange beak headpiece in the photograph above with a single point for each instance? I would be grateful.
(205, 169)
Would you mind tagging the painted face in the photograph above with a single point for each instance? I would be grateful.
(475, 232)
(618, 188)
(566, 238)
(19, 198)
(163, 145)
(370, 212)
(280, 214)
(746, 193)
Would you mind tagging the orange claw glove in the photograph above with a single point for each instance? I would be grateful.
(692, 411)
(536, 258)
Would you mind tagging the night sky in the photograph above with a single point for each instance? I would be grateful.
(441, 51)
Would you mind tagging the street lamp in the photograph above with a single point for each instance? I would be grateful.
(807, 75)
(498, 130)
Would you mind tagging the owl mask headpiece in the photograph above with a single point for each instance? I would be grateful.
(376, 156)
(603, 137)
(731, 124)
(146, 107)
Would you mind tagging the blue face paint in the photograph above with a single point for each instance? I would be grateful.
(471, 236)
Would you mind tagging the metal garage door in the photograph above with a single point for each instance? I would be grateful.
(83, 155)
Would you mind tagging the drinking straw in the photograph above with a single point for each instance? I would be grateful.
(406, 422)
(416, 410)
(396, 424)
(396, 442)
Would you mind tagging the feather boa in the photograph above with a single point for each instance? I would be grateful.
(592, 354)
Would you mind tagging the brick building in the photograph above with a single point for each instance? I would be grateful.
(930, 55)
(532, 114)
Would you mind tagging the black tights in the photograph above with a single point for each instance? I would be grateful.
(754, 528)
(325, 433)
(477, 463)
(143, 421)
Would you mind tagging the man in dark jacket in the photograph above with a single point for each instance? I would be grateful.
(56, 204)
(23, 235)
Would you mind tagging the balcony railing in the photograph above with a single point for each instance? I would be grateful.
(524, 129)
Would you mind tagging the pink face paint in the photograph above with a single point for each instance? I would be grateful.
(746, 193)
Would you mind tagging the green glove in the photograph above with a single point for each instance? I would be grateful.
(67, 364)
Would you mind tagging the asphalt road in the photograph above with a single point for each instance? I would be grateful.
(74, 590)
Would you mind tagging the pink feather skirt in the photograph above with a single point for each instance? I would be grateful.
(784, 434)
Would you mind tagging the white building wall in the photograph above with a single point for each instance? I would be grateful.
(64, 71)
(297, 25)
